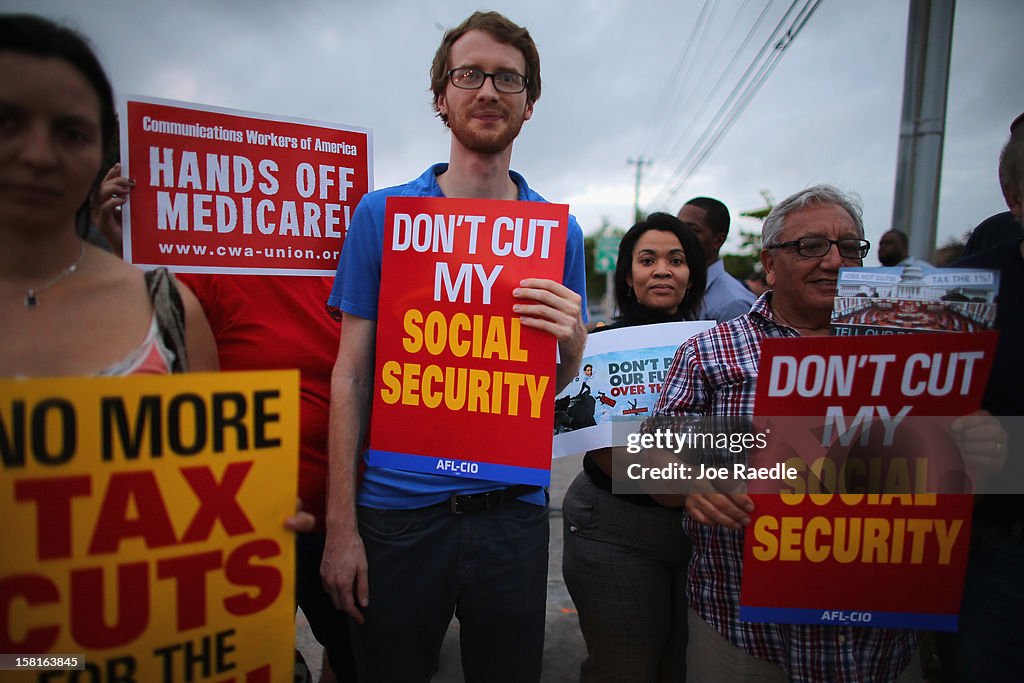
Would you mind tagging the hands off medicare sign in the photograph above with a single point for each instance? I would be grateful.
(223, 191)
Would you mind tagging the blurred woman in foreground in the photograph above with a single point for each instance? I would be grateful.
(68, 307)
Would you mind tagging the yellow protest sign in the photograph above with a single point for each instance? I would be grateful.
(142, 525)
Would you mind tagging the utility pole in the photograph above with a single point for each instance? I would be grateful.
(609, 293)
(923, 125)
(639, 162)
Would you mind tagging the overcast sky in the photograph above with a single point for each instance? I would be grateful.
(829, 112)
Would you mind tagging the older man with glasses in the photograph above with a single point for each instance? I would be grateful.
(806, 239)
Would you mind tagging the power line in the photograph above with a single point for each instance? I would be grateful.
(740, 108)
(727, 105)
(761, 77)
(670, 84)
(744, 91)
(673, 103)
(706, 101)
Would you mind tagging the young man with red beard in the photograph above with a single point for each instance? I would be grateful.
(405, 562)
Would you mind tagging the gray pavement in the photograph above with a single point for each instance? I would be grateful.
(563, 643)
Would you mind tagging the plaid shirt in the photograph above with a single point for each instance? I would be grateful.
(715, 373)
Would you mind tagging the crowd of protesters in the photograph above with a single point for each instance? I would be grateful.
(386, 557)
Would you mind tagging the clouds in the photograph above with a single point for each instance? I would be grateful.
(829, 113)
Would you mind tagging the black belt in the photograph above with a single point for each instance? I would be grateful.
(478, 502)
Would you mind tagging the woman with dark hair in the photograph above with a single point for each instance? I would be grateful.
(70, 308)
(645, 289)
(625, 556)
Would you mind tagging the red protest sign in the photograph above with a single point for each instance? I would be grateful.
(456, 372)
(865, 534)
(223, 191)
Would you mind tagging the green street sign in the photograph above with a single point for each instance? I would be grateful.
(606, 252)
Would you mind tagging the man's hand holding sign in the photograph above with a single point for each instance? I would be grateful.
(554, 308)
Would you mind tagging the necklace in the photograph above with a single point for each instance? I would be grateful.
(32, 295)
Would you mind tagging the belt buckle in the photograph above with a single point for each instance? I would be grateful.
(453, 505)
(461, 505)
(474, 502)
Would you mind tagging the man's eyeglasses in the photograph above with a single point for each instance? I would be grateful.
(468, 78)
(819, 246)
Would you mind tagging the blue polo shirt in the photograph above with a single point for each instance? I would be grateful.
(356, 291)
(725, 297)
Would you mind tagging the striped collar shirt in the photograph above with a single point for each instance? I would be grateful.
(715, 374)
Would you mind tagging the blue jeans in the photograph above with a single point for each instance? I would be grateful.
(487, 568)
